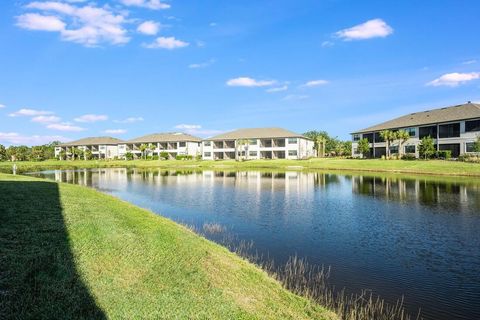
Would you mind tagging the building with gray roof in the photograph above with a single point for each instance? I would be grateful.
(258, 143)
(453, 128)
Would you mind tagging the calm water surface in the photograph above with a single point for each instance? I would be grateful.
(419, 238)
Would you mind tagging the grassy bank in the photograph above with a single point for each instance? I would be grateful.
(71, 252)
(433, 167)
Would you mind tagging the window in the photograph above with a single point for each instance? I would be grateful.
(253, 153)
(369, 137)
(292, 140)
(356, 137)
(473, 125)
(207, 154)
(355, 151)
(253, 142)
(410, 149)
(411, 131)
(378, 137)
(292, 153)
(470, 147)
(207, 143)
(451, 130)
(182, 144)
(394, 149)
(428, 131)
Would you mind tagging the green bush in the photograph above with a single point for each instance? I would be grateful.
(473, 158)
(156, 157)
(409, 156)
(198, 157)
(128, 156)
(183, 157)
(164, 155)
(444, 154)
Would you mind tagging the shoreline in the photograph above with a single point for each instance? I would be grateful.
(440, 168)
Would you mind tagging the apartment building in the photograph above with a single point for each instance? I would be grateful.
(453, 128)
(257, 143)
(174, 143)
(100, 147)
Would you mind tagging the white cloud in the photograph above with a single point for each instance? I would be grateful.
(277, 89)
(149, 27)
(115, 131)
(327, 44)
(371, 29)
(470, 61)
(295, 97)
(65, 127)
(213, 24)
(2, 106)
(15, 138)
(46, 119)
(315, 83)
(88, 25)
(202, 65)
(29, 113)
(188, 126)
(149, 4)
(166, 43)
(34, 21)
(129, 120)
(454, 79)
(249, 82)
(91, 118)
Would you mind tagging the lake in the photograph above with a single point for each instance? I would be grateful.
(418, 237)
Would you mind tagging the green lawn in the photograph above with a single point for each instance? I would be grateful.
(71, 252)
(433, 167)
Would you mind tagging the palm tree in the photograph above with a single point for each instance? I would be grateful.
(402, 137)
(142, 148)
(151, 147)
(320, 144)
(388, 136)
(240, 147)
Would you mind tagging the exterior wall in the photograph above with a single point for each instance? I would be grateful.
(174, 148)
(98, 151)
(278, 148)
(465, 137)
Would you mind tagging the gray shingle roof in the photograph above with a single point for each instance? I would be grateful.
(165, 137)
(260, 133)
(93, 141)
(454, 113)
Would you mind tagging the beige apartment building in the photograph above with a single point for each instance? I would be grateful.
(258, 143)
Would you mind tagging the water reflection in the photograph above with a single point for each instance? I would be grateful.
(455, 197)
(417, 237)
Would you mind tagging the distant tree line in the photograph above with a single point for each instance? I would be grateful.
(327, 146)
(25, 153)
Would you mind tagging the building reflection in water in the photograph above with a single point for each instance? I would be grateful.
(296, 184)
(451, 195)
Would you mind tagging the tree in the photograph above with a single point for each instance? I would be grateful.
(88, 155)
(240, 146)
(476, 145)
(151, 147)
(347, 148)
(143, 147)
(426, 149)
(316, 136)
(388, 136)
(402, 137)
(364, 147)
(3, 153)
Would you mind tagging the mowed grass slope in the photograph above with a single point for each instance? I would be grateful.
(432, 167)
(71, 252)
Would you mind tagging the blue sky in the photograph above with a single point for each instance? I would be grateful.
(70, 69)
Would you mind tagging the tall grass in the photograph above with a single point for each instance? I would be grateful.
(311, 281)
